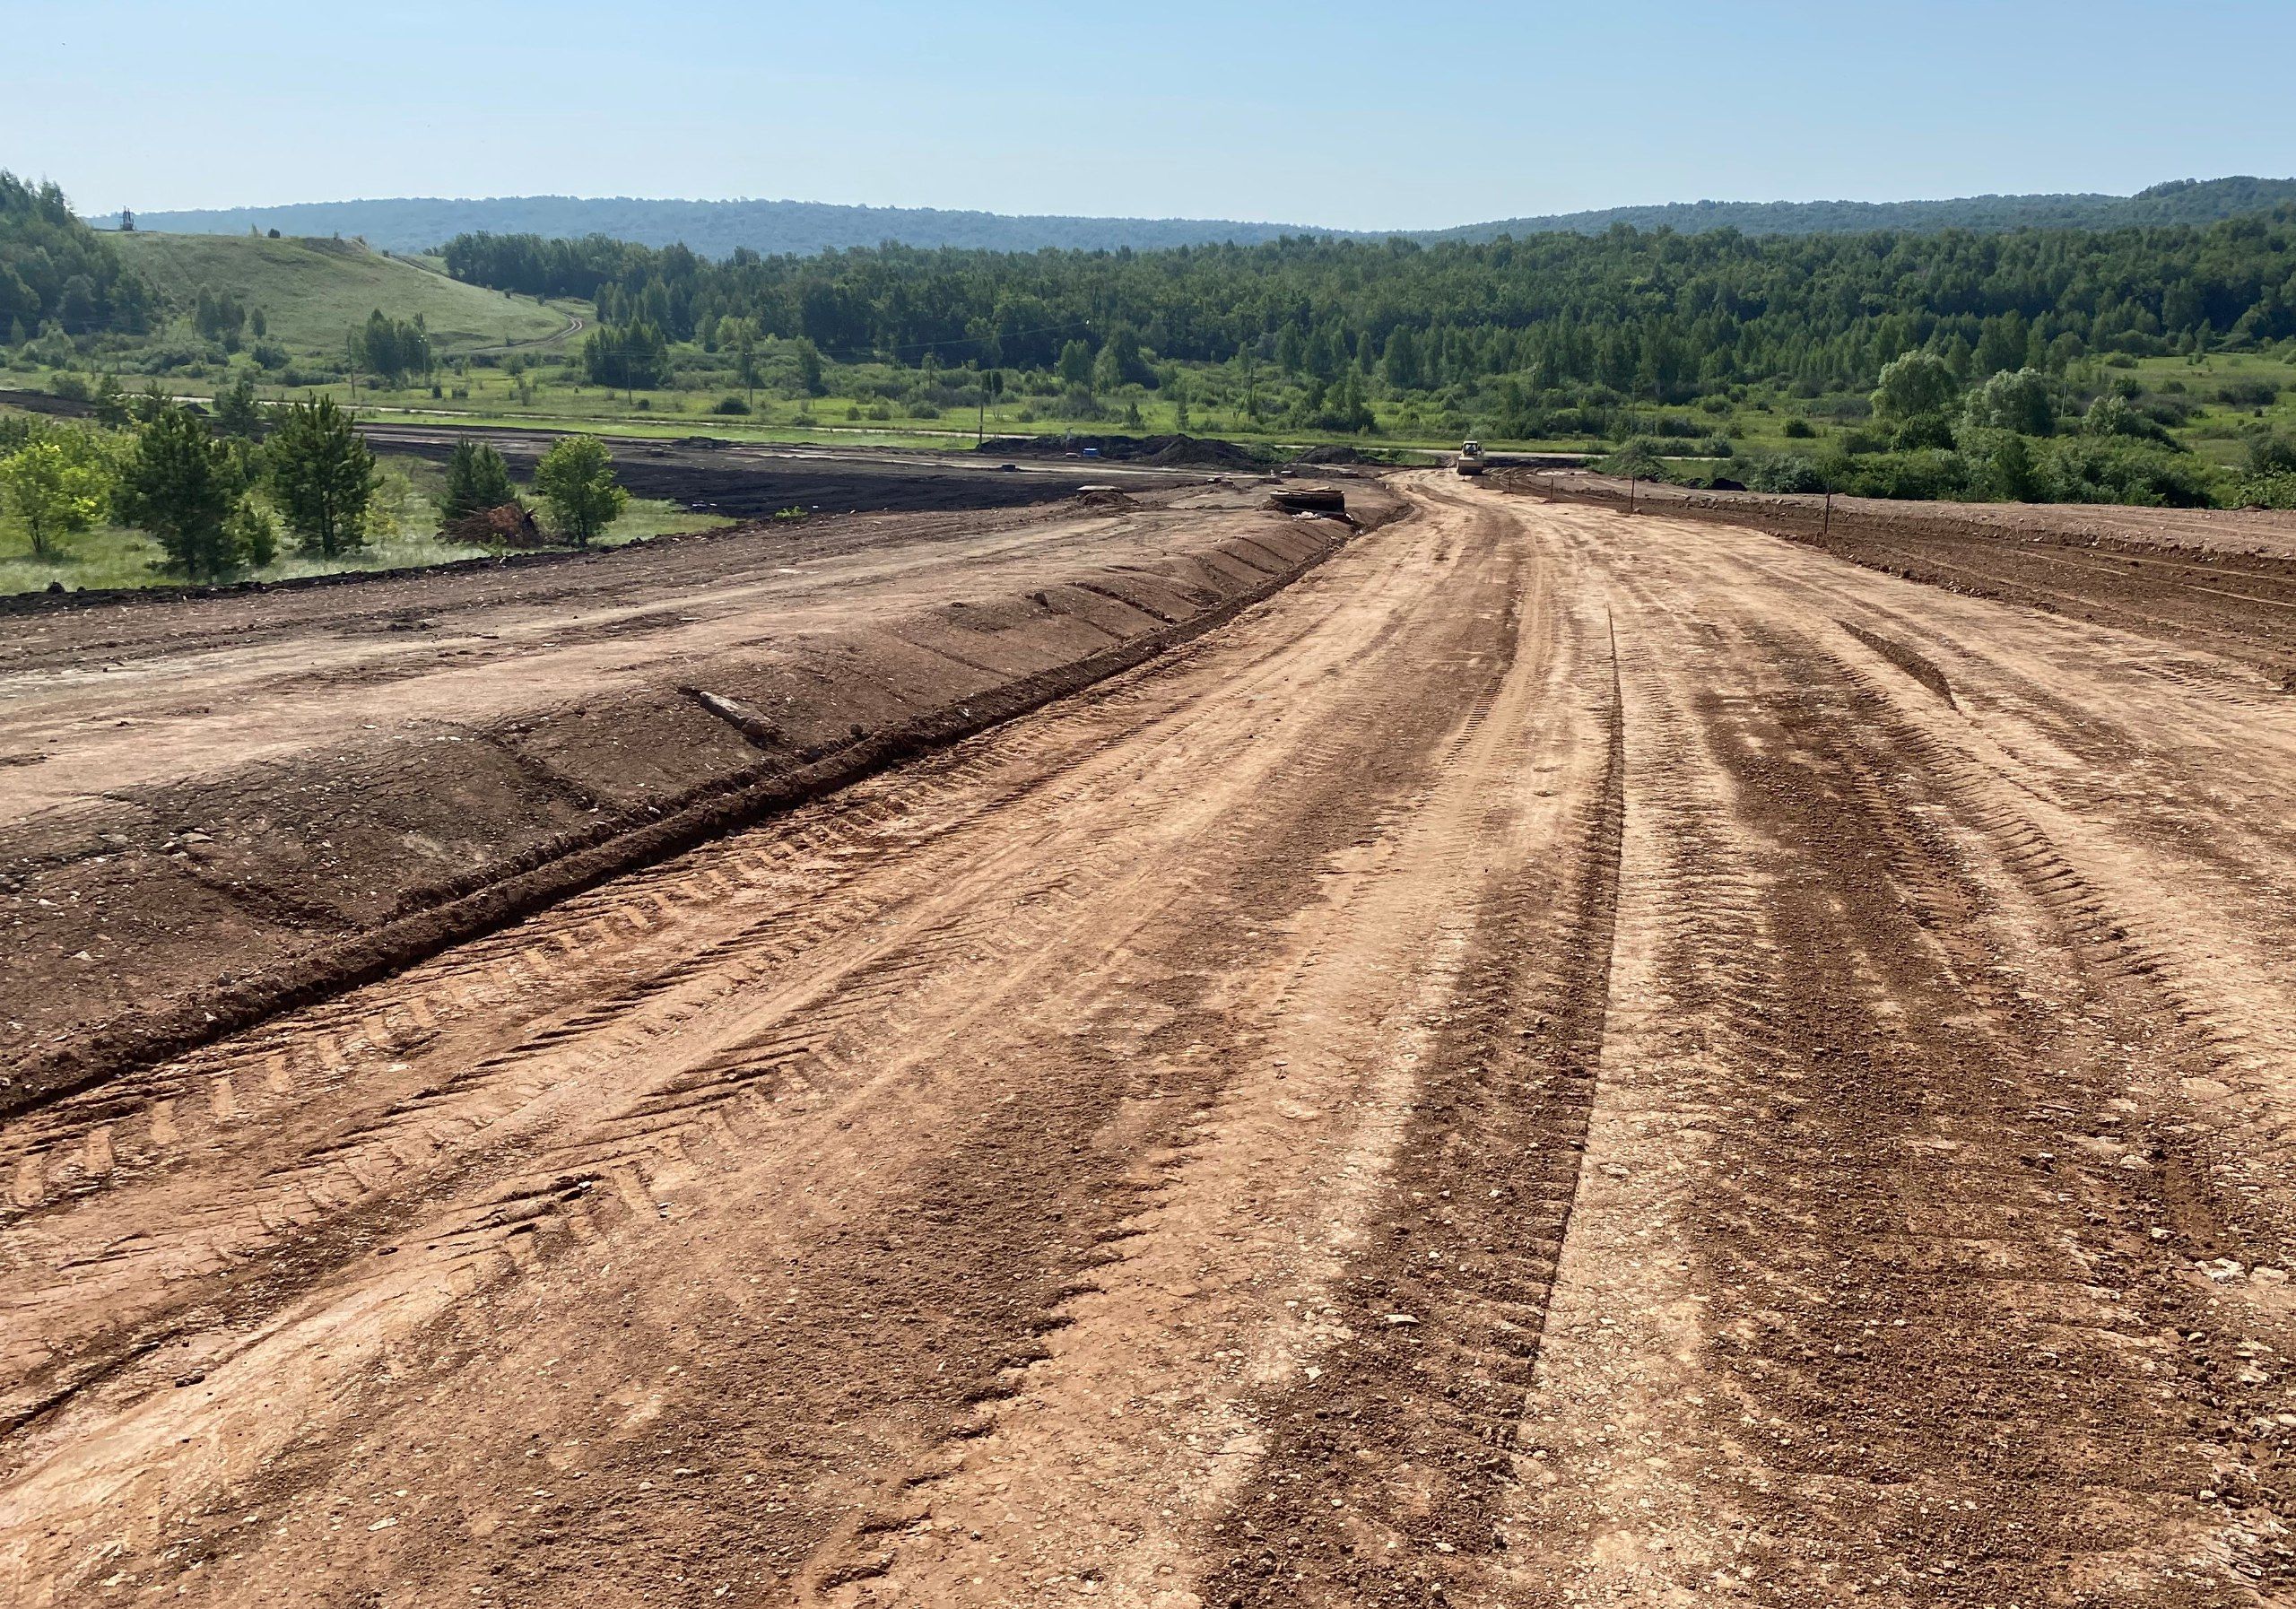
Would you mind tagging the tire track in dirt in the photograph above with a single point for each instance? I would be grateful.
(1923, 1191)
(1384, 1469)
(1421, 1095)
(1033, 910)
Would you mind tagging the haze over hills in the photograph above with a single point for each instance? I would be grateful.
(716, 228)
(2179, 201)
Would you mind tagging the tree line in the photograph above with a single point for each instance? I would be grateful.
(55, 272)
(1660, 317)
(215, 493)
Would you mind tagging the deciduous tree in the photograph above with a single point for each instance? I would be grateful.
(55, 486)
(576, 479)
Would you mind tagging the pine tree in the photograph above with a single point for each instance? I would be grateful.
(323, 476)
(477, 480)
(179, 484)
(236, 412)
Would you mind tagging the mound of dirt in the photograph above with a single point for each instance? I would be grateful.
(1308, 499)
(1331, 454)
(1162, 452)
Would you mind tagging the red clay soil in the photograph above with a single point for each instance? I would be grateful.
(2217, 579)
(1557, 1059)
(213, 807)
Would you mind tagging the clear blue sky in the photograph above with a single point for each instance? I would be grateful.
(1344, 114)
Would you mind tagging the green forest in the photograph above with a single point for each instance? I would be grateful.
(2143, 364)
(1662, 316)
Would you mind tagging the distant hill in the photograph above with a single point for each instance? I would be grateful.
(2181, 201)
(312, 291)
(716, 228)
(712, 228)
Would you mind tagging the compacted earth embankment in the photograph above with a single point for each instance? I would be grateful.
(2218, 579)
(213, 807)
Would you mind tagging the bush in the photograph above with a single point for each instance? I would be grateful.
(730, 404)
(1917, 475)
(1798, 429)
(2268, 454)
(2265, 490)
(2120, 469)
(1638, 459)
(1783, 472)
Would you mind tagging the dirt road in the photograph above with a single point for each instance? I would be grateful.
(1560, 1057)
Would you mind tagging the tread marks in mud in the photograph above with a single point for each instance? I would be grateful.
(1383, 1478)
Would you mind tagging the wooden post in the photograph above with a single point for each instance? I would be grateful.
(1828, 529)
(1630, 493)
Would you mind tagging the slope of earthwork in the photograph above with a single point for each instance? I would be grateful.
(222, 805)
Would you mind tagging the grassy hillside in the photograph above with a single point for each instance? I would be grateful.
(312, 291)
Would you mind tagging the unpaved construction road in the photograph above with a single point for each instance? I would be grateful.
(1560, 1057)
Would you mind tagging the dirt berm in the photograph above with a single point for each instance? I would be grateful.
(213, 808)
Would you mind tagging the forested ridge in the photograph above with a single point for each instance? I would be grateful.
(55, 270)
(2180, 201)
(1661, 315)
(716, 229)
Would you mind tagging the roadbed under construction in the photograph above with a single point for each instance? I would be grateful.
(1556, 1058)
(212, 807)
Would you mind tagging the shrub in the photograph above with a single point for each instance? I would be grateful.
(1638, 459)
(2265, 490)
(2118, 469)
(2268, 454)
(730, 404)
(1783, 472)
(1798, 429)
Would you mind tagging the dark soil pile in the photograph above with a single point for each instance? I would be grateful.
(1162, 452)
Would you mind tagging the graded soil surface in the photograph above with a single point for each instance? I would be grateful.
(2218, 579)
(1557, 1057)
(209, 807)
